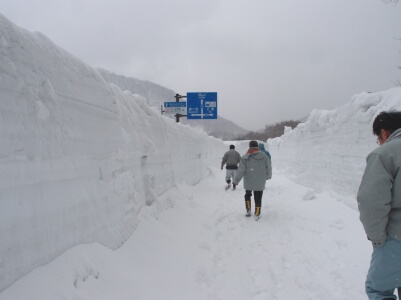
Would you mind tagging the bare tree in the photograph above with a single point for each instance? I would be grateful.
(270, 131)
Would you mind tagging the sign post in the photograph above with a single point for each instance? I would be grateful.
(178, 108)
(177, 99)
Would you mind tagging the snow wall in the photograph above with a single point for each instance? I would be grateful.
(328, 151)
(78, 157)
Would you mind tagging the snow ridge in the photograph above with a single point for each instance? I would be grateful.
(79, 157)
(328, 151)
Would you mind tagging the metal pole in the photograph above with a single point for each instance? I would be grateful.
(177, 99)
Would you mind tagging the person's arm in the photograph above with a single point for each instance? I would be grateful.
(240, 172)
(268, 168)
(224, 160)
(238, 157)
(374, 198)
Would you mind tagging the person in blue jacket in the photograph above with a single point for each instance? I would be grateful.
(262, 148)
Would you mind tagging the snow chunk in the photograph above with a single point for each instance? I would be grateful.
(309, 195)
(41, 111)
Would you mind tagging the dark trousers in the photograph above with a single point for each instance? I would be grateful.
(257, 196)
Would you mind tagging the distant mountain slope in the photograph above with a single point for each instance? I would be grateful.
(155, 95)
(220, 128)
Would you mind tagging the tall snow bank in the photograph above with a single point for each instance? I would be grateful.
(328, 151)
(154, 94)
(78, 157)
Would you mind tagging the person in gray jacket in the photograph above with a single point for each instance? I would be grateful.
(379, 203)
(255, 168)
(231, 159)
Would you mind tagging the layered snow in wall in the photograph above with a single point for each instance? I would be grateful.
(78, 157)
(328, 151)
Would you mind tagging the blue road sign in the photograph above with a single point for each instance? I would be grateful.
(202, 105)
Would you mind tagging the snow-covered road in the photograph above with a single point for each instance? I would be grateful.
(196, 243)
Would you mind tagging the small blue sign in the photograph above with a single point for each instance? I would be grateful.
(175, 108)
(175, 104)
(202, 105)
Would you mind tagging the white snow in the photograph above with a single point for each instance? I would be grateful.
(103, 198)
(328, 151)
(79, 158)
(196, 243)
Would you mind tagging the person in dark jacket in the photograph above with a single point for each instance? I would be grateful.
(255, 168)
(379, 204)
(231, 159)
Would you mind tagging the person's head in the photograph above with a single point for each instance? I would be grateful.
(261, 146)
(385, 124)
(232, 147)
(253, 144)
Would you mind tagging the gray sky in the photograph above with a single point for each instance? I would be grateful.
(268, 60)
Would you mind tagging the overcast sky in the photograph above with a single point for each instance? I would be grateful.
(268, 60)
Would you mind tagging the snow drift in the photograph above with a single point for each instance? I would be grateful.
(328, 151)
(78, 157)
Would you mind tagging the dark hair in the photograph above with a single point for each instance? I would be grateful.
(387, 120)
(232, 147)
(253, 144)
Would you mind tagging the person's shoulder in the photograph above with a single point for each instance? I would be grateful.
(245, 156)
(389, 148)
(258, 155)
(378, 153)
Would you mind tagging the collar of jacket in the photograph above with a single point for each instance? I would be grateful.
(395, 134)
(252, 150)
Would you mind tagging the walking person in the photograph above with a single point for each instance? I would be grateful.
(255, 168)
(231, 159)
(262, 148)
(379, 204)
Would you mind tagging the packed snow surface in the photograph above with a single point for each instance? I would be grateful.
(196, 243)
(103, 198)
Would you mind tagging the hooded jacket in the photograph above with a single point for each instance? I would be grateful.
(379, 195)
(255, 168)
(262, 148)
